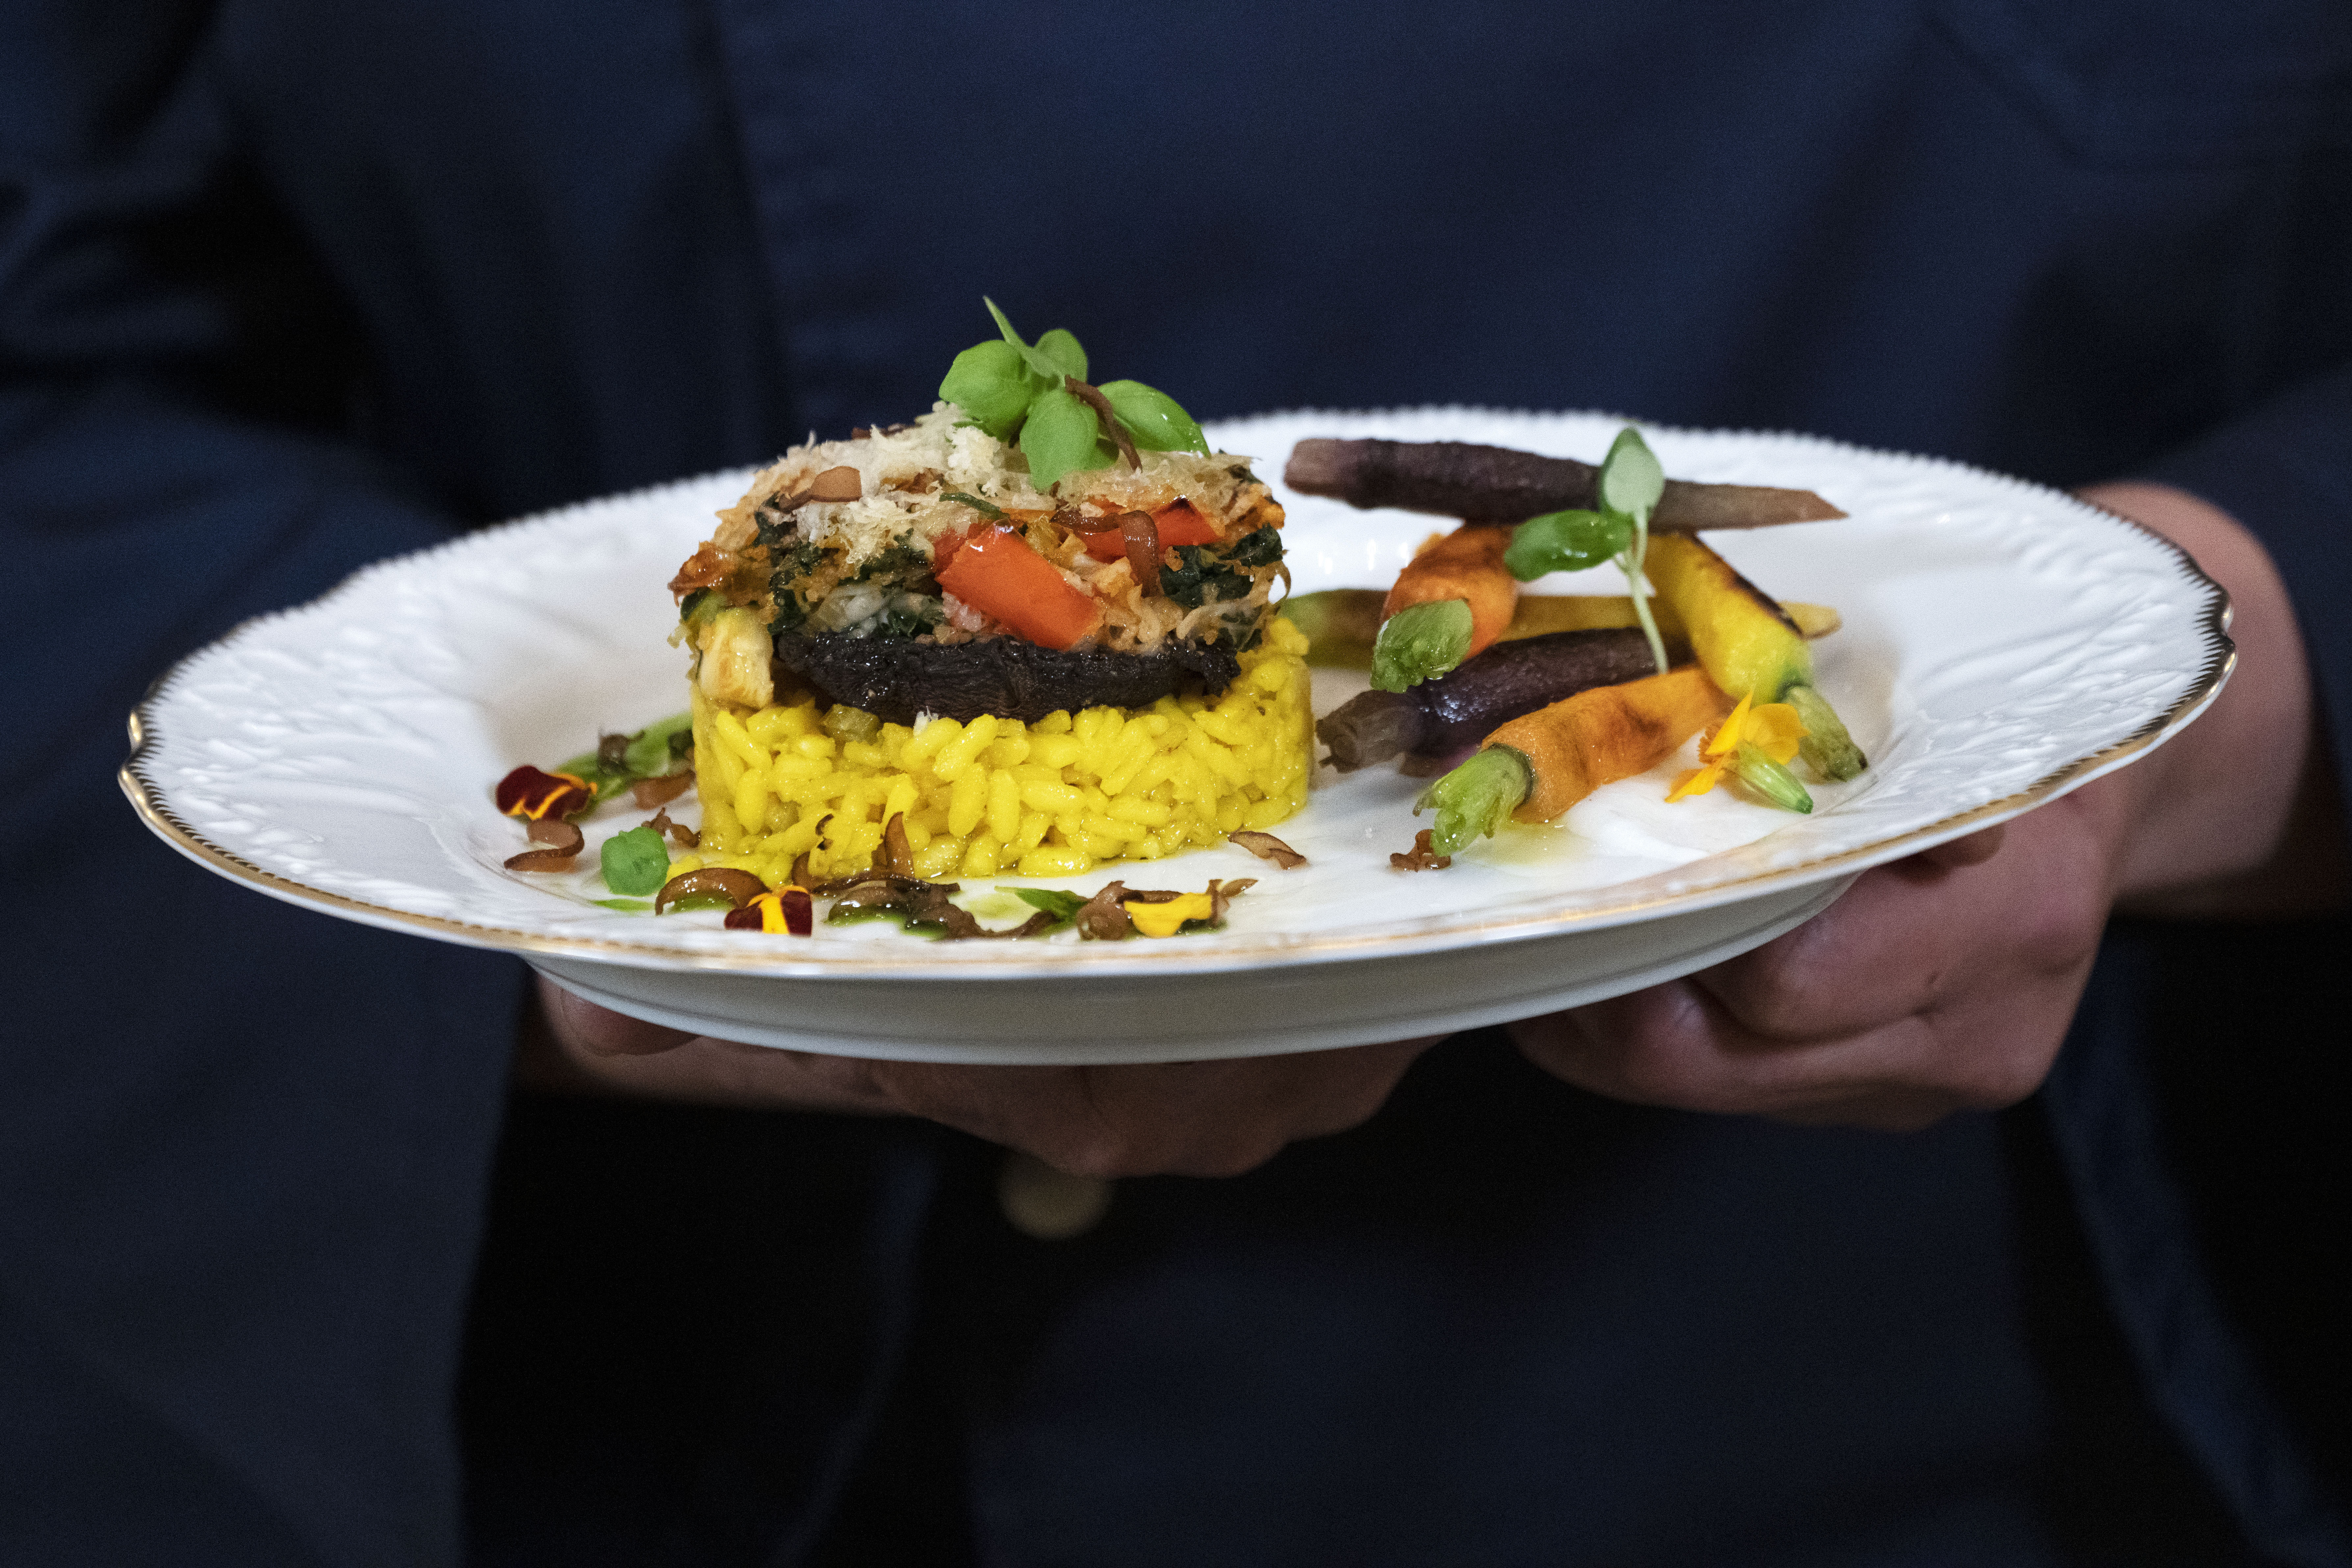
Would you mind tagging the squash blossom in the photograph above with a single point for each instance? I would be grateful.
(1755, 743)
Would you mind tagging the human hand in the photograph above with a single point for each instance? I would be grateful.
(1188, 1118)
(1947, 981)
(1941, 983)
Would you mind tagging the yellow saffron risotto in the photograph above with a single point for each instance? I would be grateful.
(996, 797)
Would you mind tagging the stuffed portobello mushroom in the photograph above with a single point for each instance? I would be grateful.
(1037, 624)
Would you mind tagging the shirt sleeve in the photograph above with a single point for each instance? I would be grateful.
(243, 1147)
(2285, 471)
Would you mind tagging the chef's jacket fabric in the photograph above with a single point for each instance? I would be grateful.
(285, 289)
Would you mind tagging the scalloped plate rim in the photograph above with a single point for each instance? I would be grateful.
(1061, 963)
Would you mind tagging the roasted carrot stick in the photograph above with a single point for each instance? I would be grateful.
(1535, 767)
(1450, 602)
(1340, 622)
(1749, 644)
(1454, 478)
(1439, 717)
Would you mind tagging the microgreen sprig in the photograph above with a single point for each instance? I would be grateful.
(1630, 484)
(1037, 395)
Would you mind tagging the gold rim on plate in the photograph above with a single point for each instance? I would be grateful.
(147, 799)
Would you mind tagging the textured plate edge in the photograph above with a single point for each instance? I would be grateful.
(146, 797)
(997, 1052)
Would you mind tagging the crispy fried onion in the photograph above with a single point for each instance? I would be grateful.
(563, 839)
(660, 823)
(1266, 846)
(895, 857)
(1111, 426)
(1140, 535)
(1100, 918)
(833, 485)
(922, 906)
(707, 568)
(1419, 858)
(891, 887)
(651, 793)
(737, 887)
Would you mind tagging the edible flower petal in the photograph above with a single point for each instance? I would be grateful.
(1697, 781)
(788, 912)
(533, 793)
(1773, 729)
(1167, 918)
(1724, 740)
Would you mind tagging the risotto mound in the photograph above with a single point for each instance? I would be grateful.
(992, 795)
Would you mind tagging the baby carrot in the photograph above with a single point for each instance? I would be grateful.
(1470, 595)
(1537, 766)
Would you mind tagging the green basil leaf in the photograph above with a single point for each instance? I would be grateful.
(992, 383)
(1565, 541)
(1055, 902)
(652, 749)
(1063, 349)
(1062, 434)
(1155, 421)
(635, 862)
(1631, 480)
(1044, 365)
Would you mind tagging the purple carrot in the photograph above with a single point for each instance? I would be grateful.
(1439, 717)
(1496, 484)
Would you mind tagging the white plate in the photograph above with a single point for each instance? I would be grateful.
(2003, 644)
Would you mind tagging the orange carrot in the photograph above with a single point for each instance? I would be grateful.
(1609, 732)
(995, 572)
(1466, 564)
(1535, 767)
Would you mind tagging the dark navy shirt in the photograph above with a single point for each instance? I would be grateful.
(287, 289)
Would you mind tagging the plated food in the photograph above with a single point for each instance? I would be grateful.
(340, 756)
(1002, 639)
(885, 672)
(1035, 635)
(1576, 717)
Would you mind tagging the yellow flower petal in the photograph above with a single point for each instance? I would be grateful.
(1163, 920)
(1698, 781)
(1726, 739)
(1775, 728)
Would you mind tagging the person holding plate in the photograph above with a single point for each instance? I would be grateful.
(1749, 1267)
